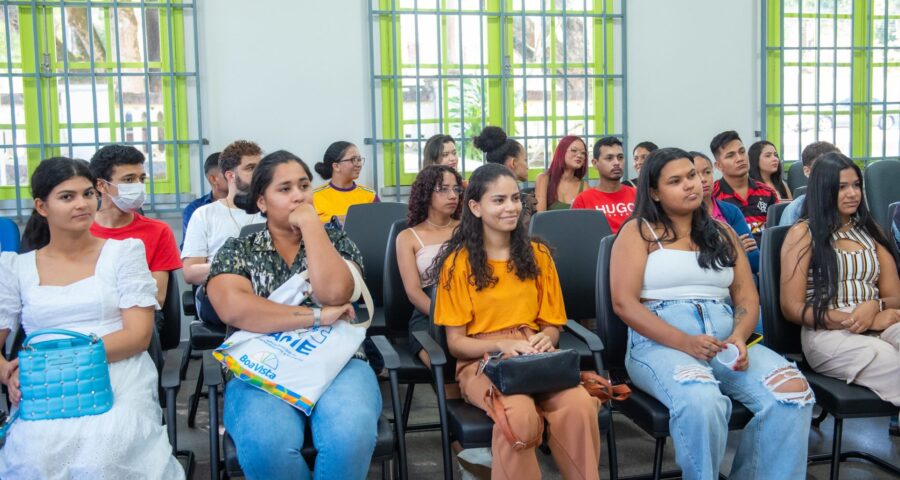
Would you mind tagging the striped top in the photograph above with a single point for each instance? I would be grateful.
(858, 271)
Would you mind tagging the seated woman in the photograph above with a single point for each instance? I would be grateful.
(499, 291)
(839, 282)
(245, 271)
(440, 149)
(435, 204)
(676, 269)
(502, 150)
(564, 179)
(341, 166)
(725, 212)
(75, 281)
(766, 167)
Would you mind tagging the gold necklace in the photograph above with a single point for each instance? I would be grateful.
(439, 227)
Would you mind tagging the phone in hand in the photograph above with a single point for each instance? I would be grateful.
(753, 339)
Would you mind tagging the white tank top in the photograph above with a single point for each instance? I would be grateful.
(677, 275)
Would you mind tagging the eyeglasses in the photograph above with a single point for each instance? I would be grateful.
(446, 189)
(354, 160)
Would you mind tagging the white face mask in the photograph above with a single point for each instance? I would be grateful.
(130, 197)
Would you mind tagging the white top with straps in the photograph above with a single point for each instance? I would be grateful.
(676, 275)
(425, 257)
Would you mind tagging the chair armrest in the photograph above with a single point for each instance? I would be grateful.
(434, 351)
(590, 338)
(187, 303)
(212, 371)
(171, 373)
(387, 351)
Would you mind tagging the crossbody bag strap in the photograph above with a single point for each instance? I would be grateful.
(600, 387)
(497, 411)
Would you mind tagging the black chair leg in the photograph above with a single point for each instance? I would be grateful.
(185, 360)
(407, 404)
(399, 427)
(214, 465)
(818, 420)
(836, 448)
(611, 446)
(658, 458)
(836, 456)
(445, 428)
(194, 400)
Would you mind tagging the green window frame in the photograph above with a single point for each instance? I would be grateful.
(831, 71)
(568, 53)
(74, 102)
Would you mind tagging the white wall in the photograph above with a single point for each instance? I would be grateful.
(287, 74)
(693, 71)
(295, 74)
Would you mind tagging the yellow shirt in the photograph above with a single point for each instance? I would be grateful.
(508, 304)
(330, 200)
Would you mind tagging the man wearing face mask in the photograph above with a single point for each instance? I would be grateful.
(120, 175)
(213, 224)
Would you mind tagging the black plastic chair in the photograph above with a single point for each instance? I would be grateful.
(796, 178)
(389, 446)
(773, 216)
(642, 408)
(836, 397)
(801, 190)
(881, 179)
(471, 426)
(368, 225)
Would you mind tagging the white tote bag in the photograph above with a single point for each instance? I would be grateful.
(297, 366)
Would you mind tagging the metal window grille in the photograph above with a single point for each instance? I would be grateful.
(540, 69)
(76, 75)
(832, 72)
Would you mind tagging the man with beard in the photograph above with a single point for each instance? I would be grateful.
(211, 225)
(736, 187)
(610, 196)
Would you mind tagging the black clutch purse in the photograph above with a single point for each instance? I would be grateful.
(533, 373)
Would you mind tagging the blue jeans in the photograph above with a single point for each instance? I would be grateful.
(269, 433)
(774, 443)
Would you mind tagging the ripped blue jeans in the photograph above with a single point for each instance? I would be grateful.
(773, 445)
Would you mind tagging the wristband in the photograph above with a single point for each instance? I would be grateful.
(317, 316)
(880, 305)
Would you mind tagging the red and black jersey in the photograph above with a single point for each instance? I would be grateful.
(759, 198)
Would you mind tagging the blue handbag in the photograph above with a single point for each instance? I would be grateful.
(64, 377)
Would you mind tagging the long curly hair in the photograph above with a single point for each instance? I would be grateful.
(420, 194)
(469, 236)
(558, 166)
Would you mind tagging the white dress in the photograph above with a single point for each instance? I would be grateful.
(126, 442)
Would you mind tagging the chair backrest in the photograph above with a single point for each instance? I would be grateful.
(368, 225)
(247, 230)
(799, 191)
(796, 178)
(779, 334)
(170, 330)
(773, 215)
(610, 328)
(9, 235)
(397, 307)
(575, 236)
(881, 179)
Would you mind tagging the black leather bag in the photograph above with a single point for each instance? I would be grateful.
(533, 373)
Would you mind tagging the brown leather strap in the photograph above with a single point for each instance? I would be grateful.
(600, 387)
(497, 412)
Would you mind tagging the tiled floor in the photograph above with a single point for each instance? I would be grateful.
(635, 449)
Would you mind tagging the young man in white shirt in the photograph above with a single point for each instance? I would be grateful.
(211, 225)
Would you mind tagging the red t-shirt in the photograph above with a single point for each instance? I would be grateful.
(159, 241)
(616, 206)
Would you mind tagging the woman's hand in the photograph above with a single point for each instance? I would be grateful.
(541, 342)
(743, 361)
(862, 317)
(748, 242)
(302, 216)
(512, 348)
(333, 314)
(10, 378)
(883, 320)
(701, 347)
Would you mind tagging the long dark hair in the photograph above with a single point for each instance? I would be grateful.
(821, 211)
(47, 176)
(434, 148)
(469, 236)
(262, 177)
(423, 187)
(754, 153)
(716, 249)
(332, 155)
